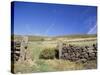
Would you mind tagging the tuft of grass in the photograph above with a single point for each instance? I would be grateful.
(48, 53)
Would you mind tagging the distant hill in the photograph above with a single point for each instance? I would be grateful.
(30, 37)
(41, 38)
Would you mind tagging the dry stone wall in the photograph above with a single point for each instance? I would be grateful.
(78, 53)
(19, 50)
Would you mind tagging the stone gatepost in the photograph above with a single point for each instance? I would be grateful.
(60, 49)
(24, 47)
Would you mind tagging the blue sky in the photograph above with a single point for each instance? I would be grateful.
(54, 19)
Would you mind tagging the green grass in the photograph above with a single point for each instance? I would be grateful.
(40, 65)
(52, 65)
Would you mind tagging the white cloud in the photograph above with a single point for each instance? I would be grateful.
(49, 28)
(93, 30)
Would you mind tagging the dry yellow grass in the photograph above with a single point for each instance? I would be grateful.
(47, 65)
(63, 65)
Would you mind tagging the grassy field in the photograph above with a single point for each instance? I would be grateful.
(42, 65)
